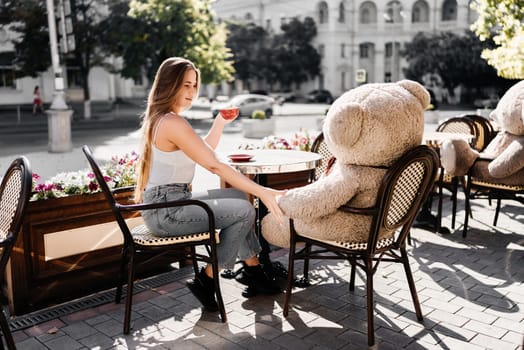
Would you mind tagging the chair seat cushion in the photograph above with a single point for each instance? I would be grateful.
(498, 186)
(143, 236)
(356, 245)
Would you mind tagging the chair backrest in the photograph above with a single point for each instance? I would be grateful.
(486, 131)
(15, 191)
(460, 125)
(404, 188)
(319, 146)
(128, 238)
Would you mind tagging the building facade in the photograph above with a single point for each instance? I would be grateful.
(359, 40)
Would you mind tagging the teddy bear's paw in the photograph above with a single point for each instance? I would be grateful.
(456, 157)
(448, 156)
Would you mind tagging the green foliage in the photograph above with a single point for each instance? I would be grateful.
(444, 54)
(146, 32)
(247, 43)
(29, 20)
(258, 114)
(502, 21)
(287, 58)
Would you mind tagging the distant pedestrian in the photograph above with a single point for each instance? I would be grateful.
(37, 100)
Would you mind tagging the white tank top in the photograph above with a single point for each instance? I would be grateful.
(169, 167)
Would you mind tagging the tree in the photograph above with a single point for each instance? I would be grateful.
(443, 54)
(146, 32)
(247, 43)
(503, 21)
(32, 47)
(286, 58)
(32, 52)
(293, 53)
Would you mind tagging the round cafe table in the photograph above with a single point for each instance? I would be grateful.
(266, 162)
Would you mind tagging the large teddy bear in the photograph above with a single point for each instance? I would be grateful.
(367, 129)
(502, 161)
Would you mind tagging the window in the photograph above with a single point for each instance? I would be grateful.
(74, 77)
(394, 12)
(449, 10)
(341, 13)
(420, 12)
(364, 50)
(268, 24)
(343, 81)
(322, 12)
(367, 13)
(342, 50)
(321, 50)
(7, 70)
(249, 17)
(389, 50)
(387, 77)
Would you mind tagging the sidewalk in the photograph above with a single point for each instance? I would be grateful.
(471, 292)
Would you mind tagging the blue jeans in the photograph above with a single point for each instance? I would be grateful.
(234, 216)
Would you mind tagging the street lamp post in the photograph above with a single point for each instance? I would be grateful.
(59, 114)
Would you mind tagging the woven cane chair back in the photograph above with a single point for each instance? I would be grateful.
(15, 192)
(485, 131)
(319, 146)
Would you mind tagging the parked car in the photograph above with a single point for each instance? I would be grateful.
(319, 96)
(247, 103)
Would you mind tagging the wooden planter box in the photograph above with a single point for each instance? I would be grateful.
(67, 248)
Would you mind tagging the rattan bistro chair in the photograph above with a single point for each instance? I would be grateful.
(445, 181)
(15, 191)
(478, 188)
(141, 241)
(403, 190)
(319, 146)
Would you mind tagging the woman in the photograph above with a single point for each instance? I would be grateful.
(170, 149)
(37, 100)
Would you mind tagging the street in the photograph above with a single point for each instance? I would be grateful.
(119, 134)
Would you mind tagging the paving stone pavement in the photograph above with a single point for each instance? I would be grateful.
(471, 292)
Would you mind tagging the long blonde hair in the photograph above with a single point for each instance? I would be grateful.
(166, 86)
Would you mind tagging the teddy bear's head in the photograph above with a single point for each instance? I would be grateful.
(508, 113)
(374, 124)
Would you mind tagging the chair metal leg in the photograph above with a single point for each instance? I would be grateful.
(307, 251)
(440, 196)
(216, 278)
(6, 332)
(290, 276)
(454, 202)
(195, 263)
(129, 294)
(352, 276)
(411, 283)
(120, 280)
(369, 293)
(497, 211)
(468, 209)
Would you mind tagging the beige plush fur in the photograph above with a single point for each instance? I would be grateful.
(367, 128)
(505, 152)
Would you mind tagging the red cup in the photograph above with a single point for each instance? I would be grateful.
(229, 113)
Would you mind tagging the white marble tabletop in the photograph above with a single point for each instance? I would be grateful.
(271, 161)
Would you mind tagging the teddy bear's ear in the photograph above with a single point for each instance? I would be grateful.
(416, 90)
(344, 123)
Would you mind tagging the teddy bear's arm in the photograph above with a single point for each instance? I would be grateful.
(509, 161)
(319, 198)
